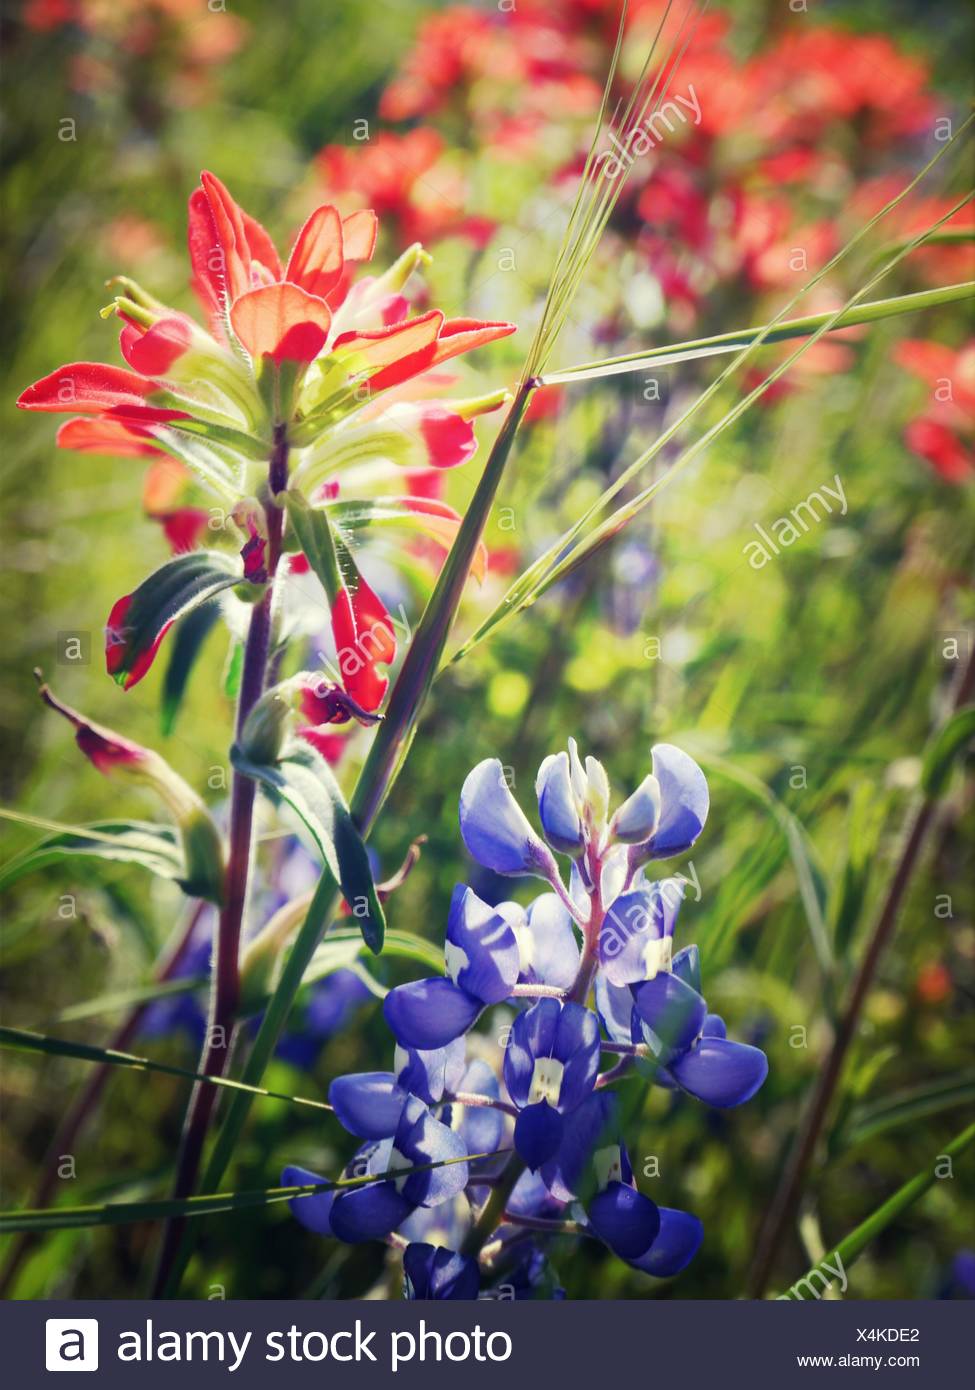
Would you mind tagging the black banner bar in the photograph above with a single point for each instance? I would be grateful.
(183, 1345)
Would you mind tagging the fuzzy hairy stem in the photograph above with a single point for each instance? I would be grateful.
(225, 991)
(786, 1201)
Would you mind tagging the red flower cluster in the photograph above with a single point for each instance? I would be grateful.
(944, 433)
(301, 347)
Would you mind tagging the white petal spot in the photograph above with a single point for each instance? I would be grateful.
(546, 1081)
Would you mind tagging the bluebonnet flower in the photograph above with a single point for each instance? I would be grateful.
(589, 967)
(482, 967)
(550, 1067)
(430, 1272)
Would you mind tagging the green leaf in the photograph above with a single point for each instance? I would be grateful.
(719, 343)
(167, 1209)
(854, 1244)
(191, 634)
(154, 847)
(948, 744)
(303, 779)
(214, 471)
(177, 587)
(396, 943)
(809, 877)
(311, 526)
(122, 1000)
(906, 1107)
(23, 1040)
(235, 441)
(863, 833)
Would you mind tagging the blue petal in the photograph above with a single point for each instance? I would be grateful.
(549, 950)
(480, 1126)
(687, 967)
(494, 826)
(367, 1103)
(538, 1133)
(567, 1032)
(577, 1048)
(614, 1004)
(557, 807)
(683, 800)
(676, 1244)
(482, 950)
(672, 1011)
(714, 1027)
(531, 1197)
(368, 1213)
(721, 1073)
(422, 1139)
(430, 1272)
(592, 1126)
(428, 1073)
(429, 1014)
(633, 924)
(314, 1212)
(637, 818)
(625, 1219)
(532, 1035)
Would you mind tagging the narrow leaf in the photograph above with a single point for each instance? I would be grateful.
(170, 1208)
(948, 744)
(303, 779)
(177, 587)
(854, 1244)
(809, 877)
(22, 1040)
(907, 1107)
(190, 636)
(154, 847)
(673, 353)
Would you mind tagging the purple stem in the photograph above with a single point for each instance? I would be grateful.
(225, 994)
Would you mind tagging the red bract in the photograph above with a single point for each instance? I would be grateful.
(942, 434)
(117, 646)
(941, 448)
(92, 388)
(409, 179)
(364, 638)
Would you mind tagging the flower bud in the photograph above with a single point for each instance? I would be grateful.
(557, 806)
(113, 755)
(637, 818)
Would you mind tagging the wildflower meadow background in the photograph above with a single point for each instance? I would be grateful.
(695, 726)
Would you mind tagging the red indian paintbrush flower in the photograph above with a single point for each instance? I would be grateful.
(296, 350)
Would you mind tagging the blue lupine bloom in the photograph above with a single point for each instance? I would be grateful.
(372, 1211)
(550, 1066)
(431, 1272)
(494, 826)
(483, 963)
(605, 934)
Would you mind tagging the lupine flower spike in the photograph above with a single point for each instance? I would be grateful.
(589, 967)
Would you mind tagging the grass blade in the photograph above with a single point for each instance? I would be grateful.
(719, 343)
(856, 1242)
(21, 1040)
(209, 1204)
